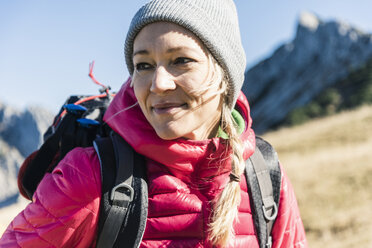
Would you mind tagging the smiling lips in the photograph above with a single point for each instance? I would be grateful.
(168, 107)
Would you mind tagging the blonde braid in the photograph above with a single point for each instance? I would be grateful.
(225, 209)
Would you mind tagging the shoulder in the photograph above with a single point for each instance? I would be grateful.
(267, 150)
(65, 207)
(82, 161)
(75, 179)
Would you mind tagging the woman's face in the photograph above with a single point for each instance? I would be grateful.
(171, 74)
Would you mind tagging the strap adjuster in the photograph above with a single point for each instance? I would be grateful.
(126, 187)
(274, 212)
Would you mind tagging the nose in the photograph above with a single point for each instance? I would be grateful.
(162, 81)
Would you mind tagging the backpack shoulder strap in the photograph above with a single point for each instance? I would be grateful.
(264, 181)
(124, 193)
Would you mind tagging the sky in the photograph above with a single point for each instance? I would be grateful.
(46, 46)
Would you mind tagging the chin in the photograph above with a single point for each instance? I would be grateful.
(167, 135)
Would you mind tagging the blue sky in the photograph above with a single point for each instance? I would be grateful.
(46, 46)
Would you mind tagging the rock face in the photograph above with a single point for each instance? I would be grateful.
(320, 54)
(10, 160)
(20, 134)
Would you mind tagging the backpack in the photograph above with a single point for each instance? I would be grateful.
(124, 188)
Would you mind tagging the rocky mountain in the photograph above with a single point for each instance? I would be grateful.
(21, 132)
(320, 54)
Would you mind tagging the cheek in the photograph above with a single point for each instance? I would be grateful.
(194, 83)
(138, 84)
(137, 90)
(141, 93)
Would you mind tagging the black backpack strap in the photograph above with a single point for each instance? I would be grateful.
(124, 203)
(264, 181)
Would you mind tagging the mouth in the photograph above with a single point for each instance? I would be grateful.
(168, 107)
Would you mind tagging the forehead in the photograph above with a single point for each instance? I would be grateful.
(158, 34)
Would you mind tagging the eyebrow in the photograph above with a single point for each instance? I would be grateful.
(140, 52)
(170, 50)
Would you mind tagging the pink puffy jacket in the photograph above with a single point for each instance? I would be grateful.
(182, 179)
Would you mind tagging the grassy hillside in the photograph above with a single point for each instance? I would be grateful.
(329, 162)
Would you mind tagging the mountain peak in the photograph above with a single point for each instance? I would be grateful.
(309, 20)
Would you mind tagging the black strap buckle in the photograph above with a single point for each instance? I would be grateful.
(115, 192)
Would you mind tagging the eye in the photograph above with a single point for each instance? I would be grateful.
(183, 60)
(143, 66)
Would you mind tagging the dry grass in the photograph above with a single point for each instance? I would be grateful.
(329, 162)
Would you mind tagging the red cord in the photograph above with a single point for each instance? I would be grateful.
(91, 65)
(106, 89)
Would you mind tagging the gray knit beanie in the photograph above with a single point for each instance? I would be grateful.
(214, 22)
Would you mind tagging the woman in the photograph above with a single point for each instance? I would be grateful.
(187, 67)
